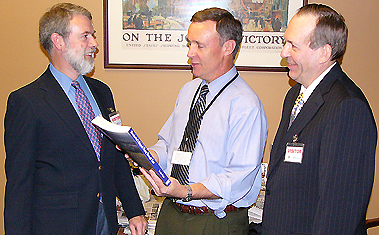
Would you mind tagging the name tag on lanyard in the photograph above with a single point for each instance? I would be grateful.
(294, 151)
(181, 158)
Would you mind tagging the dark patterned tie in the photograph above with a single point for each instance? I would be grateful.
(181, 172)
(87, 115)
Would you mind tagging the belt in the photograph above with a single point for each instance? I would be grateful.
(202, 209)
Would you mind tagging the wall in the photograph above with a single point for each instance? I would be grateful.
(146, 98)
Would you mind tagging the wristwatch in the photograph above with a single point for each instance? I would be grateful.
(189, 194)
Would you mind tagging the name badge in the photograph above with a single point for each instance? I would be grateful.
(115, 117)
(294, 152)
(182, 158)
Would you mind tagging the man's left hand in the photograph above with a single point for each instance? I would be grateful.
(175, 189)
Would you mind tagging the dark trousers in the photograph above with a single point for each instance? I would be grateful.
(255, 229)
(172, 221)
(102, 224)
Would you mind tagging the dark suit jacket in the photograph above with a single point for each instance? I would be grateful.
(53, 176)
(328, 193)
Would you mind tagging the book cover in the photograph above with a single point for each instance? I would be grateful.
(129, 142)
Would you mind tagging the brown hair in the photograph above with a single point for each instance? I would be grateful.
(227, 26)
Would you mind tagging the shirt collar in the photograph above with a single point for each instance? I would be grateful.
(216, 85)
(63, 80)
(308, 91)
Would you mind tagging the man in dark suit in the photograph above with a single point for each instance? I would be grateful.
(56, 181)
(322, 163)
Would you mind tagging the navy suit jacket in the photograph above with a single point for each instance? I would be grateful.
(53, 176)
(328, 193)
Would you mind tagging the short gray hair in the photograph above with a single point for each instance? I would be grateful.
(330, 29)
(57, 20)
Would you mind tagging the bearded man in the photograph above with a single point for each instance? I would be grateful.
(62, 175)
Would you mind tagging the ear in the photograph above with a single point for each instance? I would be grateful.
(325, 53)
(58, 41)
(229, 47)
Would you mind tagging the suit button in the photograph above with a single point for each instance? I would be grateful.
(98, 195)
(100, 168)
(268, 192)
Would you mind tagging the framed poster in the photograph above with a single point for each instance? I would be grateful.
(151, 34)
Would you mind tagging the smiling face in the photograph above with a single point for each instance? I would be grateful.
(303, 62)
(208, 58)
(81, 45)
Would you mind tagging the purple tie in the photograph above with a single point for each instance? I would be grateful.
(87, 115)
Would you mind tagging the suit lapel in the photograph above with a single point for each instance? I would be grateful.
(307, 113)
(61, 105)
(100, 98)
(105, 107)
(282, 134)
(315, 101)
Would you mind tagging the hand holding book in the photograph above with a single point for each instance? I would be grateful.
(128, 141)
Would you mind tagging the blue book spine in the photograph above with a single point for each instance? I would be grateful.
(146, 152)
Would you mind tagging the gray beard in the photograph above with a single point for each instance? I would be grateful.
(81, 65)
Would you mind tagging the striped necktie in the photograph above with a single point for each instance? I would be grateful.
(181, 172)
